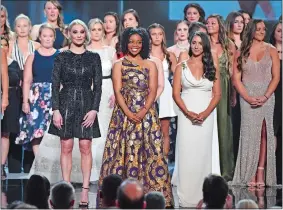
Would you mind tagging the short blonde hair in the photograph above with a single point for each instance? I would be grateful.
(48, 26)
(79, 22)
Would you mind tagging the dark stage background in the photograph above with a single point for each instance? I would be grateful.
(166, 13)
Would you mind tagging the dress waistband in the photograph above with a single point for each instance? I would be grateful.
(106, 77)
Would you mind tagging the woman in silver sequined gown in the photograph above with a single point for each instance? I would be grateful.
(256, 76)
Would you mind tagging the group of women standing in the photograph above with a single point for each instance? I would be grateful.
(222, 69)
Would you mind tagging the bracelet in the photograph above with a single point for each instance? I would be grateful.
(265, 96)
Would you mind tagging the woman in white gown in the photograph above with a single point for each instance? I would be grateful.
(108, 57)
(199, 79)
(47, 162)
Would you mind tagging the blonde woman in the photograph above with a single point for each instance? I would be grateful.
(22, 46)
(37, 90)
(108, 56)
(75, 106)
(5, 29)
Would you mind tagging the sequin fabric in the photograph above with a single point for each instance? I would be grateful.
(76, 73)
(136, 150)
(256, 77)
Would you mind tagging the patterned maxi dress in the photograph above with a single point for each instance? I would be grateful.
(135, 150)
(256, 77)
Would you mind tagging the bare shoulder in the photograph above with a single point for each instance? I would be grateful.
(172, 55)
(149, 63)
(171, 49)
(36, 26)
(118, 63)
(36, 44)
(183, 55)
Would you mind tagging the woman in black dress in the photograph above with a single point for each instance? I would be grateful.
(10, 121)
(75, 106)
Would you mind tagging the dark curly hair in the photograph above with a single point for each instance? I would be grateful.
(207, 59)
(144, 53)
(247, 42)
(198, 8)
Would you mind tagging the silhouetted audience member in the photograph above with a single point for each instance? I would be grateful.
(130, 195)
(37, 192)
(246, 204)
(109, 189)
(155, 200)
(62, 196)
(20, 205)
(215, 192)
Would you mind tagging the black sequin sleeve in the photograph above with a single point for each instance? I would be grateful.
(97, 82)
(56, 82)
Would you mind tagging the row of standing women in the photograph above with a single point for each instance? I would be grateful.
(195, 77)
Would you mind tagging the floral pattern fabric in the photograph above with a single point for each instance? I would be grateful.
(35, 124)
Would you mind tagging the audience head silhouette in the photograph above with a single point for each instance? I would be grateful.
(108, 193)
(37, 191)
(62, 196)
(131, 195)
(155, 200)
(215, 191)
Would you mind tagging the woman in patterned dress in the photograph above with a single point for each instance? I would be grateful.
(134, 145)
(37, 90)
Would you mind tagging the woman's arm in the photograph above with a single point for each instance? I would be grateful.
(237, 82)
(153, 85)
(216, 90)
(56, 81)
(117, 85)
(183, 57)
(275, 71)
(173, 60)
(27, 80)
(97, 82)
(4, 81)
(160, 72)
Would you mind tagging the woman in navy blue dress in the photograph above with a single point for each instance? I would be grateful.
(53, 13)
(37, 90)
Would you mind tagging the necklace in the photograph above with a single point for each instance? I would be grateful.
(182, 47)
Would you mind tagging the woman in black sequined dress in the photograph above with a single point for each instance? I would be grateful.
(76, 104)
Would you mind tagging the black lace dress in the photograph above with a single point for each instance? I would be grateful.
(76, 73)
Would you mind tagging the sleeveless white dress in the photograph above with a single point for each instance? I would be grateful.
(166, 103)
(105, 112)
(195, 144)
(47, 161)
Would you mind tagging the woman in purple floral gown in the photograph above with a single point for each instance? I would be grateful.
(134, 145)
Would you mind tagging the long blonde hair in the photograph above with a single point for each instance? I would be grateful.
(7, 28)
